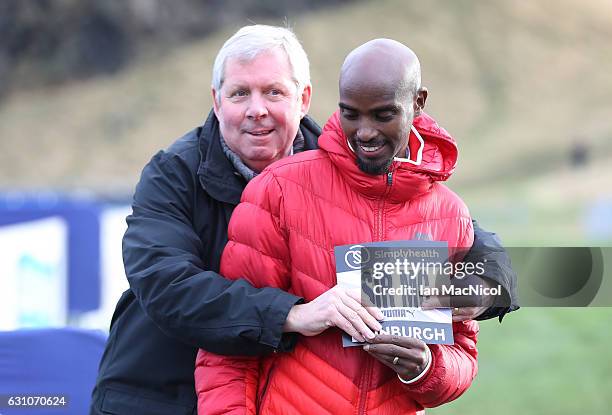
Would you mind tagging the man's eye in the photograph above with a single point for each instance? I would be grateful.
(239, 93)
(385, 116)
(349, 115)
(276, 92)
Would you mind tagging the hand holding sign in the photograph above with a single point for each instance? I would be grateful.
(408, 357)
(468, 298)
(337, 307)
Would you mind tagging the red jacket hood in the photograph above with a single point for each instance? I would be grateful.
(438, 162)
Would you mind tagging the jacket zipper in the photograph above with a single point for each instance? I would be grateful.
(380, 233)
(378, 236)
(363, 387)
(260, 401)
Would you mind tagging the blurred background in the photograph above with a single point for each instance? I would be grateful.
(90, 90)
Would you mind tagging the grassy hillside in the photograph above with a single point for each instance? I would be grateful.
(515, 82)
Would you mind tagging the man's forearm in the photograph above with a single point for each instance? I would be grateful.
(207, 311)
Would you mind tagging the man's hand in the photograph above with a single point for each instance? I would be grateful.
(467, 313)
(335, 308)
(411, 354)
(464, 307)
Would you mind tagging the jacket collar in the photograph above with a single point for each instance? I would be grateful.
(439, 158)
(216, 173)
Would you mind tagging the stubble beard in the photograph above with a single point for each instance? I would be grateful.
(373, 167)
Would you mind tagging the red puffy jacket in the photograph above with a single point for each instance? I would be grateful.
(283, 234)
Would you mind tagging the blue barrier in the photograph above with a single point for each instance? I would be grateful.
(60, 363)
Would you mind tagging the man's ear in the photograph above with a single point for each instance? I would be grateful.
(215, 102)
(419, 102)
(306, 96)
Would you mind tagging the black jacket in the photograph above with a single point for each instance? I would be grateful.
(177, 302)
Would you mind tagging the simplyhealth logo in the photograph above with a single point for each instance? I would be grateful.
(353, 257)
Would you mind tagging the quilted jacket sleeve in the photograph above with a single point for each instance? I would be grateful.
(257, 251)
(453, 368)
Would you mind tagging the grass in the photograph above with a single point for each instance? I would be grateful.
(542, 361)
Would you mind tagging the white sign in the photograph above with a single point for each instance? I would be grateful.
(33, 274)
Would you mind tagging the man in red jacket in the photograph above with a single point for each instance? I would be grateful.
(376, 177)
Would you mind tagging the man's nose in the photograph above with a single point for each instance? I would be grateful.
(365, 133)
(257, 107)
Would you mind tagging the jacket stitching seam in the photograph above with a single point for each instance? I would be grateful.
(327, 249)
(318, 377)
(292, 380)
(312, 192)
(281, 260)
(432, 220)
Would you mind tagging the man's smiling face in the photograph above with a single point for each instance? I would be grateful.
(376, 122)
(259, 107)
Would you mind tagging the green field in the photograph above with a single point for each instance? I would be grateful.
(542, 361)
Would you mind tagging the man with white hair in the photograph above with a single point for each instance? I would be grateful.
(177, 301)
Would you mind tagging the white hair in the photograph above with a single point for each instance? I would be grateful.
(250, 41)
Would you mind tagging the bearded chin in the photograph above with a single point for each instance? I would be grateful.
(372, 167)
